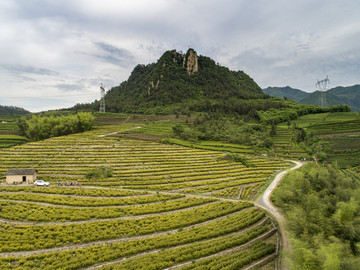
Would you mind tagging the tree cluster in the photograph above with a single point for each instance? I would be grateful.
(41, 127)
(322, 208)
(293, 111)
(99, 173)
(12, 110)
(214, 127)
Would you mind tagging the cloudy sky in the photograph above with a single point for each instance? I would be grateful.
(54, 54)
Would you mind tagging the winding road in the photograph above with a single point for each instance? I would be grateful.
(265, 203)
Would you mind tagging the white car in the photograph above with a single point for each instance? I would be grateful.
(41, 183)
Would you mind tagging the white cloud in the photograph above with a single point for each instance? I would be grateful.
(56, 53)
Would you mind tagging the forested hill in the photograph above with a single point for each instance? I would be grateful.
(178, 80)
(12, 110)
(349, 95)
(325, 99)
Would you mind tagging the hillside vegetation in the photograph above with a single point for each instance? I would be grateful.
(42, 127)
(321, 205)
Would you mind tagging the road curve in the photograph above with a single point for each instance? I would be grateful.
(265, 203)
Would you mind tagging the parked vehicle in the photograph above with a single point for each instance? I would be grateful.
(41, 183)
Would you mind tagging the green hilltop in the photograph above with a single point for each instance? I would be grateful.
(178, 82)
(177, 78)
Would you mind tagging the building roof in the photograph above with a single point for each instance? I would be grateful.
(20, 171)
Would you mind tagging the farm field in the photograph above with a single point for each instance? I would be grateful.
(284, 145)
(341, 131)
(164, 206)
(328, 123)
(9, 131)
(8, 122)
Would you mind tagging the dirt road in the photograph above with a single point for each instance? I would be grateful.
(265, 203)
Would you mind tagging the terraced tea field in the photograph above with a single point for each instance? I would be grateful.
(9, 131)
(341, 131)
(164, 207)
(284, 144)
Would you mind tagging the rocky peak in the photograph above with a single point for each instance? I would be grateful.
(190, 62)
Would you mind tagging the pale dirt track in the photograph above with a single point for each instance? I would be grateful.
(265, 203)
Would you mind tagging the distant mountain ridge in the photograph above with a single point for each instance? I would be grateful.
(291, 93)
(340, 95)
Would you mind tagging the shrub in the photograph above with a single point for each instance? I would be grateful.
(237, 158)
(99, 173)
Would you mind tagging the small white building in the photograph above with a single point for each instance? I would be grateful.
(19, 176)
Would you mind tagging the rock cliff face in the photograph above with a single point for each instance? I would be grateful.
(190, 62)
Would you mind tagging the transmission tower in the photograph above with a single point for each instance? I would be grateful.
(323, 86)
(102, 100)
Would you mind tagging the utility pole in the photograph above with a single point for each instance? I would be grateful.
(102, 100)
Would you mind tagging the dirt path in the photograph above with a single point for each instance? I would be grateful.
(265, 203)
